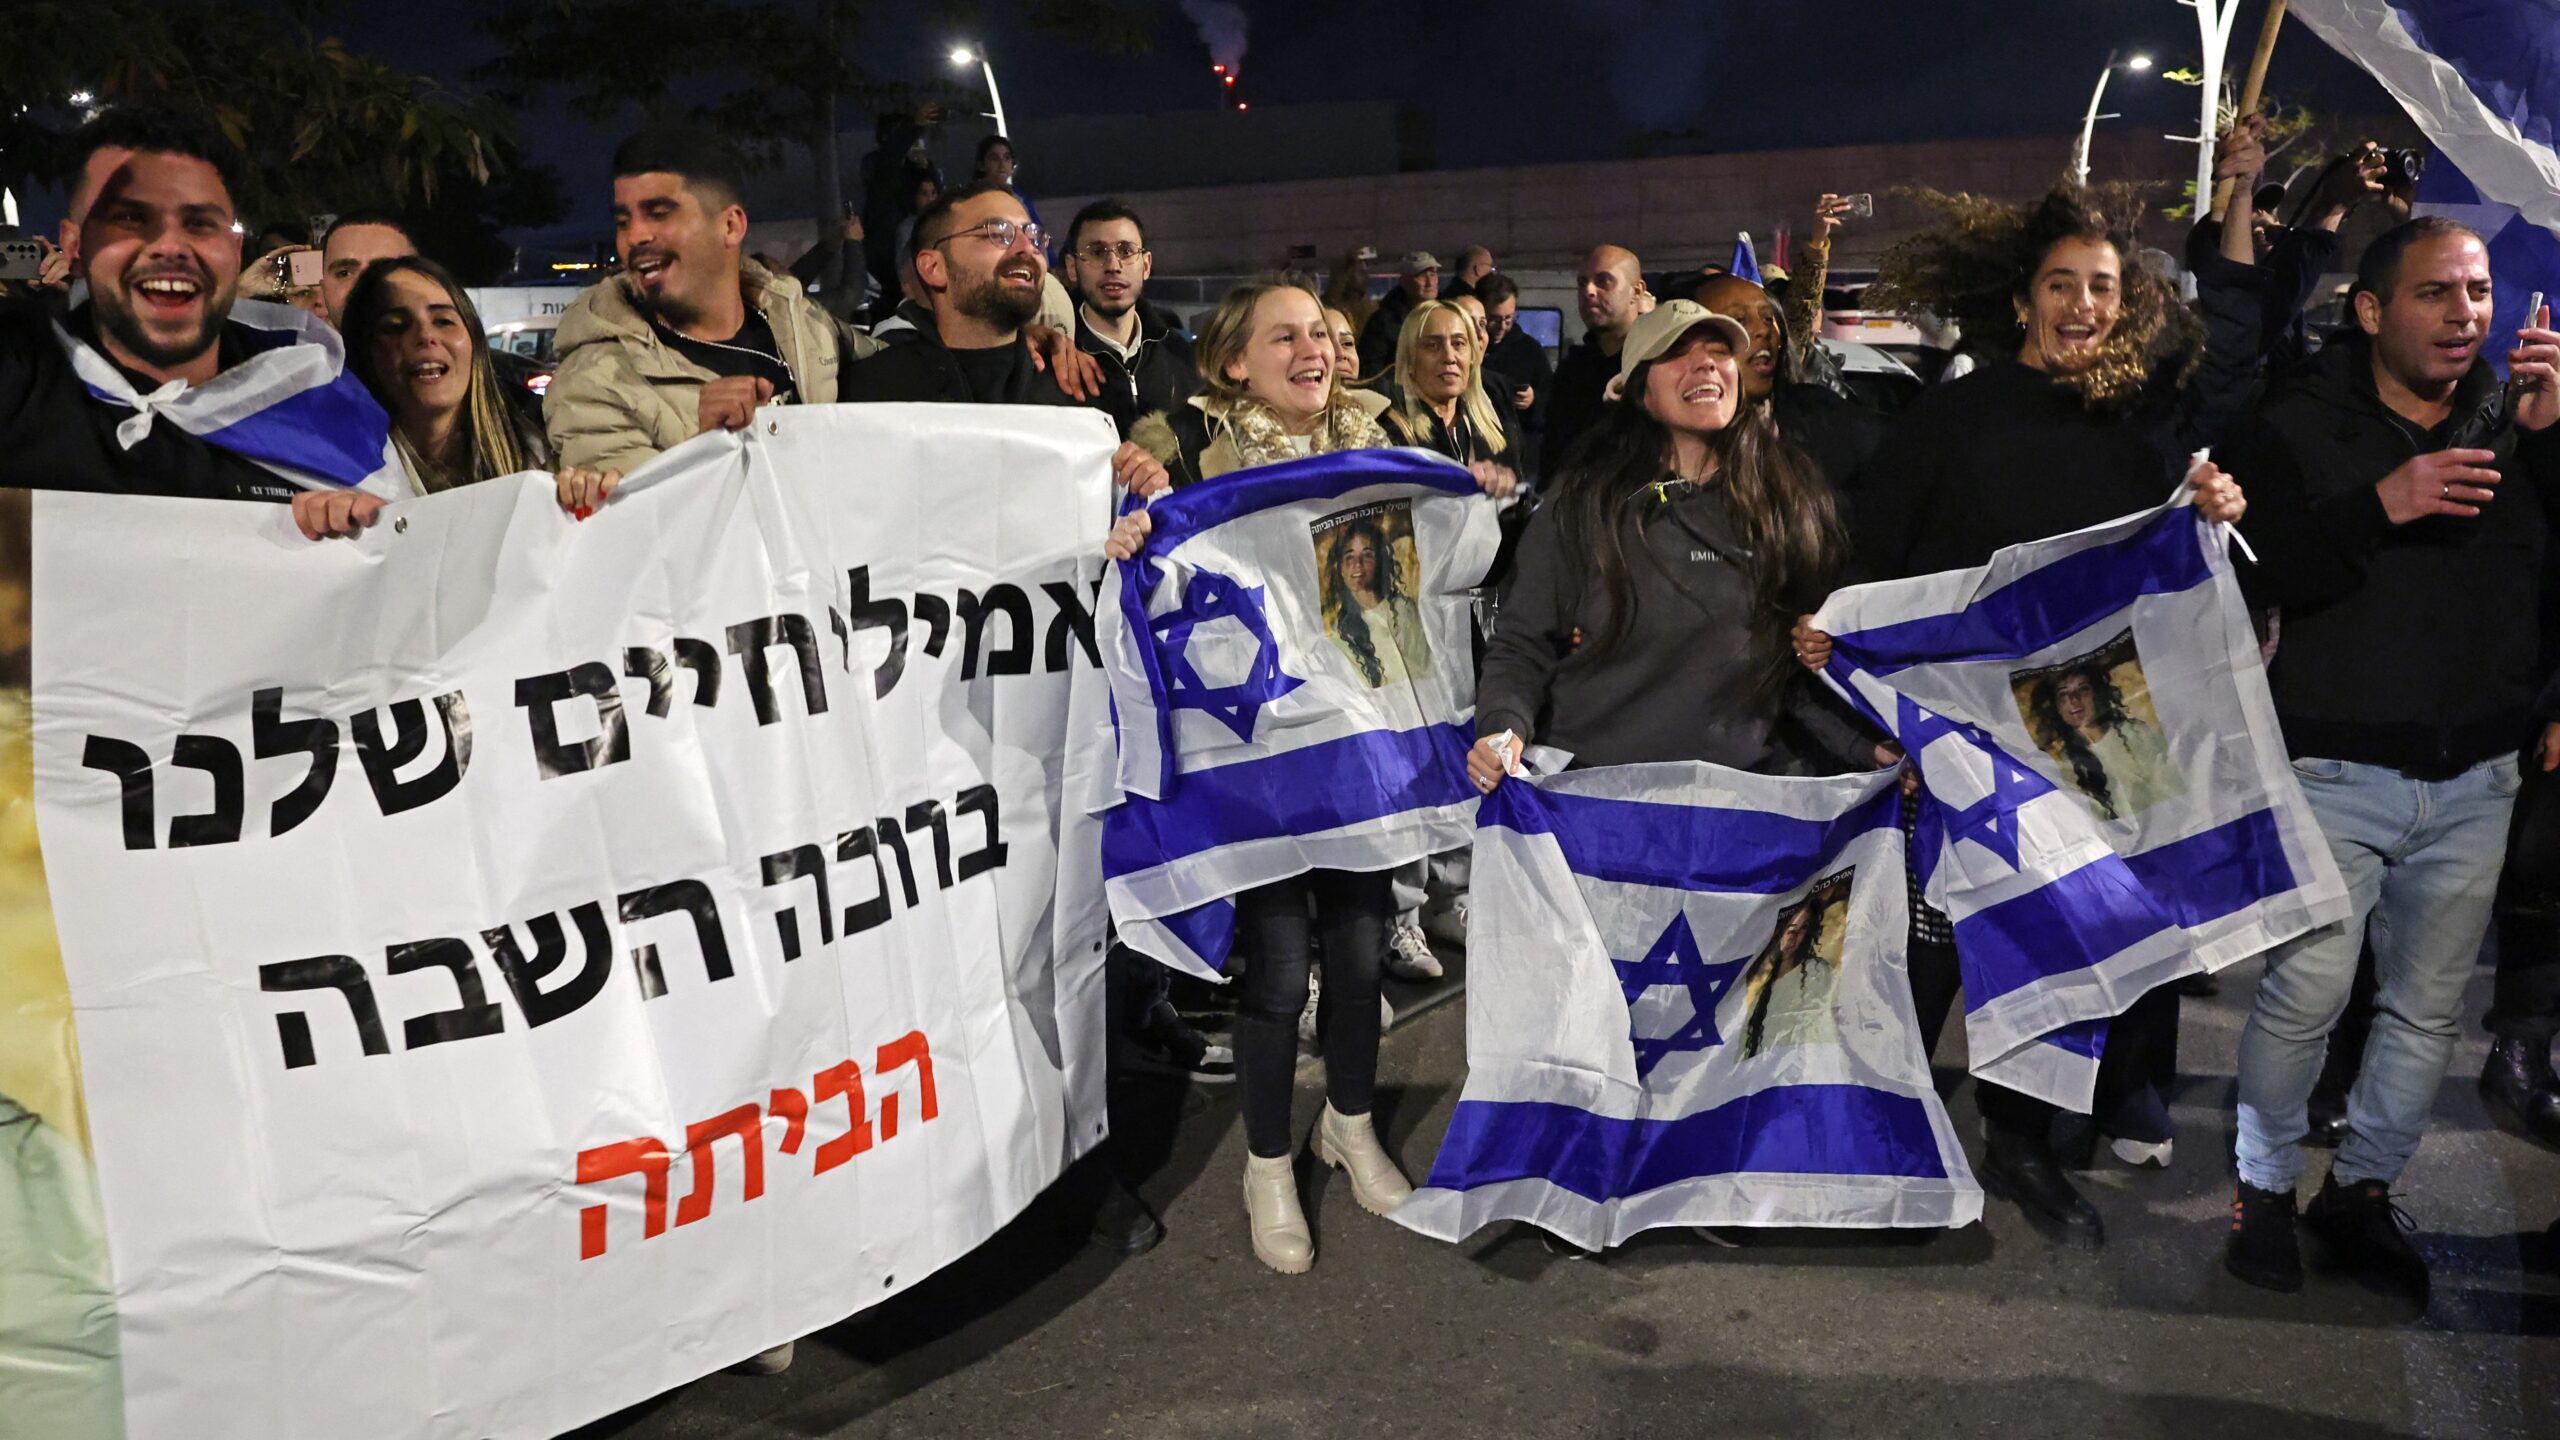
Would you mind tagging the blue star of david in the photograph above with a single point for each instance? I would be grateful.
(1210, 596)
(1992, 821)
(1674, 960)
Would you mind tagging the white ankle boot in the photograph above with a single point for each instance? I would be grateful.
(1350, 1144)
(1279, 1227)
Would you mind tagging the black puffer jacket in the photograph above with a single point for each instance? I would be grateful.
(2413, 646)
(1161, 377)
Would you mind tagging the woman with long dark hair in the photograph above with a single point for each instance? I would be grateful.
(416, 341)
(2110, 387)
(1647, 613)
(2118, 761)
(1377, 625)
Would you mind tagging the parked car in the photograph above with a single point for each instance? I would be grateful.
(525, 350)
(1875, 378)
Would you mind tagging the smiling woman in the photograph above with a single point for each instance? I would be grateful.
(416, 342)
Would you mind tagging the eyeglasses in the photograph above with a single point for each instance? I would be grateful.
(1003, 232)
(1098, 253)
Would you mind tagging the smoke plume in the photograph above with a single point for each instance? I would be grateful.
(1222, 29)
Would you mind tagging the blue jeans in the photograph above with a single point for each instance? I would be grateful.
(2421, 861)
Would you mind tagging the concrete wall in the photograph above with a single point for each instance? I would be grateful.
(1672, 211)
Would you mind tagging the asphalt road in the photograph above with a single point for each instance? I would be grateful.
(1983, 1331)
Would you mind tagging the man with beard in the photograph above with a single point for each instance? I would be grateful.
(980, 262)
(692, 335)
(119, 396)
(2407, 502)
(1610, 293)
(1146, 363)
(1837, 432)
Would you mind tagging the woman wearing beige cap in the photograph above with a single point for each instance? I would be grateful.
(1649, 606)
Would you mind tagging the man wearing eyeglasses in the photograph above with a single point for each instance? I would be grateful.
(1146, 363)
(981, 265)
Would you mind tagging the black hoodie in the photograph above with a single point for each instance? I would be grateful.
(2416, 646)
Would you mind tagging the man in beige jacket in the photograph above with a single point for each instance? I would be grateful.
(692, 335)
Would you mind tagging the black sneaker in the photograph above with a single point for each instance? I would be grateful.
(2366, 1232)
(2263, 1249)
(1171, 1047)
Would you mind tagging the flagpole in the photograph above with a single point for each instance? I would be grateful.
(2253, 88)
(2213, 28)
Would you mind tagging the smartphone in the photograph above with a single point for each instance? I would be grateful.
(20, 259)
(1863, 205)
(303, 268)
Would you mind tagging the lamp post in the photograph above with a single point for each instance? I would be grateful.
(2089, 125)
(962, 57)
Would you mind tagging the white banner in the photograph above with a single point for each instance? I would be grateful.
(522, 965)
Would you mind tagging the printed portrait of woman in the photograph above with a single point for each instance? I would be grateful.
(1791, 988)
(1368, 609)
(2116, 758)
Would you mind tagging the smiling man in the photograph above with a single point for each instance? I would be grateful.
(2404, 500)
(692, 335)
(154, 385)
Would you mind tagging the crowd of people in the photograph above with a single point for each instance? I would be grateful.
(1681, 488)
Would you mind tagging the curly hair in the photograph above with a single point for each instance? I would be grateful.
(1976, 267)
(2044, 715)
(1346, 606)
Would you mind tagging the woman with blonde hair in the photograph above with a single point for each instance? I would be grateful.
(1437, 398)
(1269, 393)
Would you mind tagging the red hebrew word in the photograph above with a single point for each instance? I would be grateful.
(645, 1156)
(907, 1049)
(650, 1160)
(846, 1080)
(792, 1108)
(747, 1123)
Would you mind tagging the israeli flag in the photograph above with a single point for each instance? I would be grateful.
(2107, 802)
(1687, 1006)
(1292, 684)
(2482, 79)
(291, 405)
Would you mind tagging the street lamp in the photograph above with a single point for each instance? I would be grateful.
(2089, 125)
(962, 57)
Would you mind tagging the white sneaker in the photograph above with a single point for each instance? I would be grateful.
(2143, 1152)
(1386, 1015)
(1447, 923)
(1409, 954)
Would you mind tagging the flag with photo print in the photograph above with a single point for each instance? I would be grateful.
(1687, 1006)
(2107, 804)
(1292, 684)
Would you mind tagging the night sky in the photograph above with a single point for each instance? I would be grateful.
(1513, 82)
